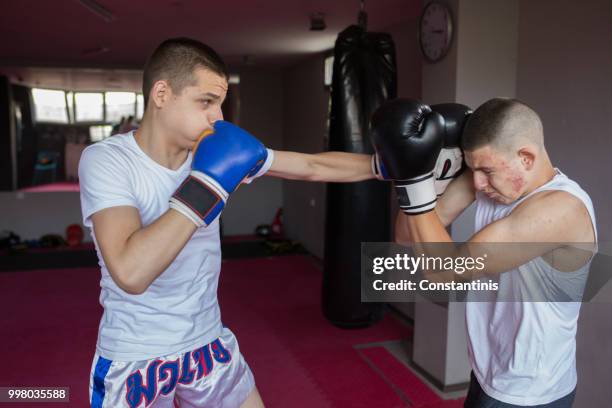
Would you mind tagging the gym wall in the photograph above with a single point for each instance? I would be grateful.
(565, 75)
(261, 107)
(305, 130)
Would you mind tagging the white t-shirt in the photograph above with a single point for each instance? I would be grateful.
(524, 353)
(179, 311)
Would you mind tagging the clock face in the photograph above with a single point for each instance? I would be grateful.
(435, 31)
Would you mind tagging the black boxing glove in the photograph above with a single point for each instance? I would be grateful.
(450, 161)
(408, 137)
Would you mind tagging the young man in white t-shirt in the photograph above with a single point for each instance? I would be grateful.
(152, 198)
(522, 347)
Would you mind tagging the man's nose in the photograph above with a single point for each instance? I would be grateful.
(215, 115)
(480, 181)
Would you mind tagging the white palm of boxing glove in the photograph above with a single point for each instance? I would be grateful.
(449, 164)
(450, 161)
(408, 138)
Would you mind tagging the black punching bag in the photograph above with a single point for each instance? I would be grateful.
(364, 76)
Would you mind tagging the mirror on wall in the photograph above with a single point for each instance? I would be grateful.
(57, 114)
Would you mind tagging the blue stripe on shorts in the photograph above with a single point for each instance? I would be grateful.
(97, 396)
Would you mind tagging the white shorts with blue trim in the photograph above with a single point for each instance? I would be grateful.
(215, 375)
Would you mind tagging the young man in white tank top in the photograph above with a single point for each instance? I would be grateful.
(522, 353)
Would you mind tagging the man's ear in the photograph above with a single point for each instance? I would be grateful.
(160, 93)
(527, 155)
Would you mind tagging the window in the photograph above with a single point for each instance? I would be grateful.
(59, 106)
(329, 69)
(49, 105)
(119, 104)
(89, 106)
(70, 102)
(234, 79)
(97, 133)
(139, 106)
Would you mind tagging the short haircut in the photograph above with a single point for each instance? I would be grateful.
(175, 60)
(502, 123)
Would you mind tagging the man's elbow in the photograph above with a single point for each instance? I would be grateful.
(314, 172)
(127, 280)
(313, 168)
(133, 289)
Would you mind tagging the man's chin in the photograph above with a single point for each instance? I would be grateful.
(189, 144)
(497, 198)
(502, 200)
(192, 143)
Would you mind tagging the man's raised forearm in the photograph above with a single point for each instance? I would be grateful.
(148, 251)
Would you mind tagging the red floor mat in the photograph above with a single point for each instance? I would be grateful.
(410, 387)
(49, 325)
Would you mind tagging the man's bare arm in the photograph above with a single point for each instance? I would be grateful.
(136, 256)
(458, 196)
(548, 218)
(326, 167)
(546, 221)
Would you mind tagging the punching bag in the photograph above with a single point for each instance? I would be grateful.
(364, 76)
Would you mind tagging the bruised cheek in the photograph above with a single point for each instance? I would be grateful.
(514, 180)
(517, 183)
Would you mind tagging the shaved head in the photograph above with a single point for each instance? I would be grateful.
(175, 60)
(503, 124)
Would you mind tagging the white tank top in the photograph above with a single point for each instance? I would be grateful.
(524, 353)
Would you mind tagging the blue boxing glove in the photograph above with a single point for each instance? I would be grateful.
(221, 161)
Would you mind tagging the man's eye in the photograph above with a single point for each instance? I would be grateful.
(205, 102)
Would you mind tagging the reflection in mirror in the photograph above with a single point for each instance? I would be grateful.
(56, 121)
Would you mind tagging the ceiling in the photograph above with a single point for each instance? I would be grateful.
(66, 33)
(64, 44)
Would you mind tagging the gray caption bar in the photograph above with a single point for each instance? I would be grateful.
(34, 394)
